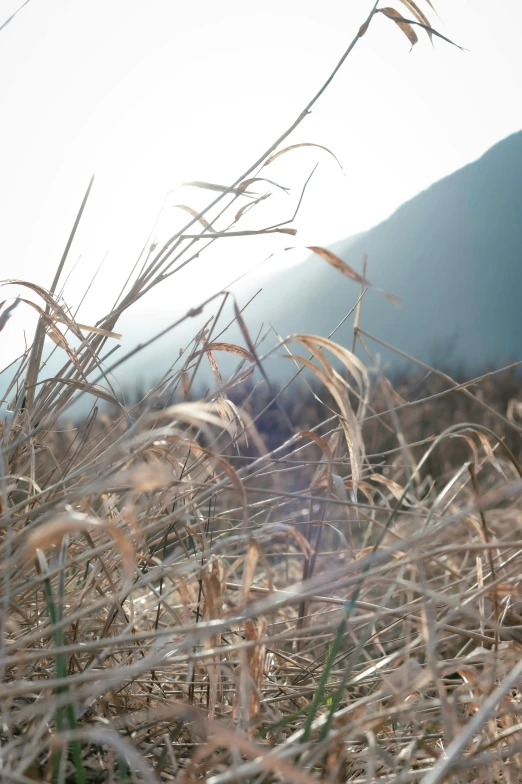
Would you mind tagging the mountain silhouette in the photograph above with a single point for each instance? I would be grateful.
(453, 254)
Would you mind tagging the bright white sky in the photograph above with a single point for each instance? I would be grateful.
(151, 93)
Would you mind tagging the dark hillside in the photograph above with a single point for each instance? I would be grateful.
(454, 256)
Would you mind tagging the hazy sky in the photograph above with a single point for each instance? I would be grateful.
(149, 94)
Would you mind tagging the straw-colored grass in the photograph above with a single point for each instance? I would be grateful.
(315, 583)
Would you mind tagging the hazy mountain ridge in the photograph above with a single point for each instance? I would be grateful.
(454, 256)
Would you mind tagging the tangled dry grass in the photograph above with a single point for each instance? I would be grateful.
(178, 608)
(316, 583)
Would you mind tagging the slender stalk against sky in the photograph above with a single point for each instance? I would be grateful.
(149, 96)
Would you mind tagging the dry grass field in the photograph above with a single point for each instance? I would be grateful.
(320, 582)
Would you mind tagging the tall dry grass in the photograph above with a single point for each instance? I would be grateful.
(316, 583)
